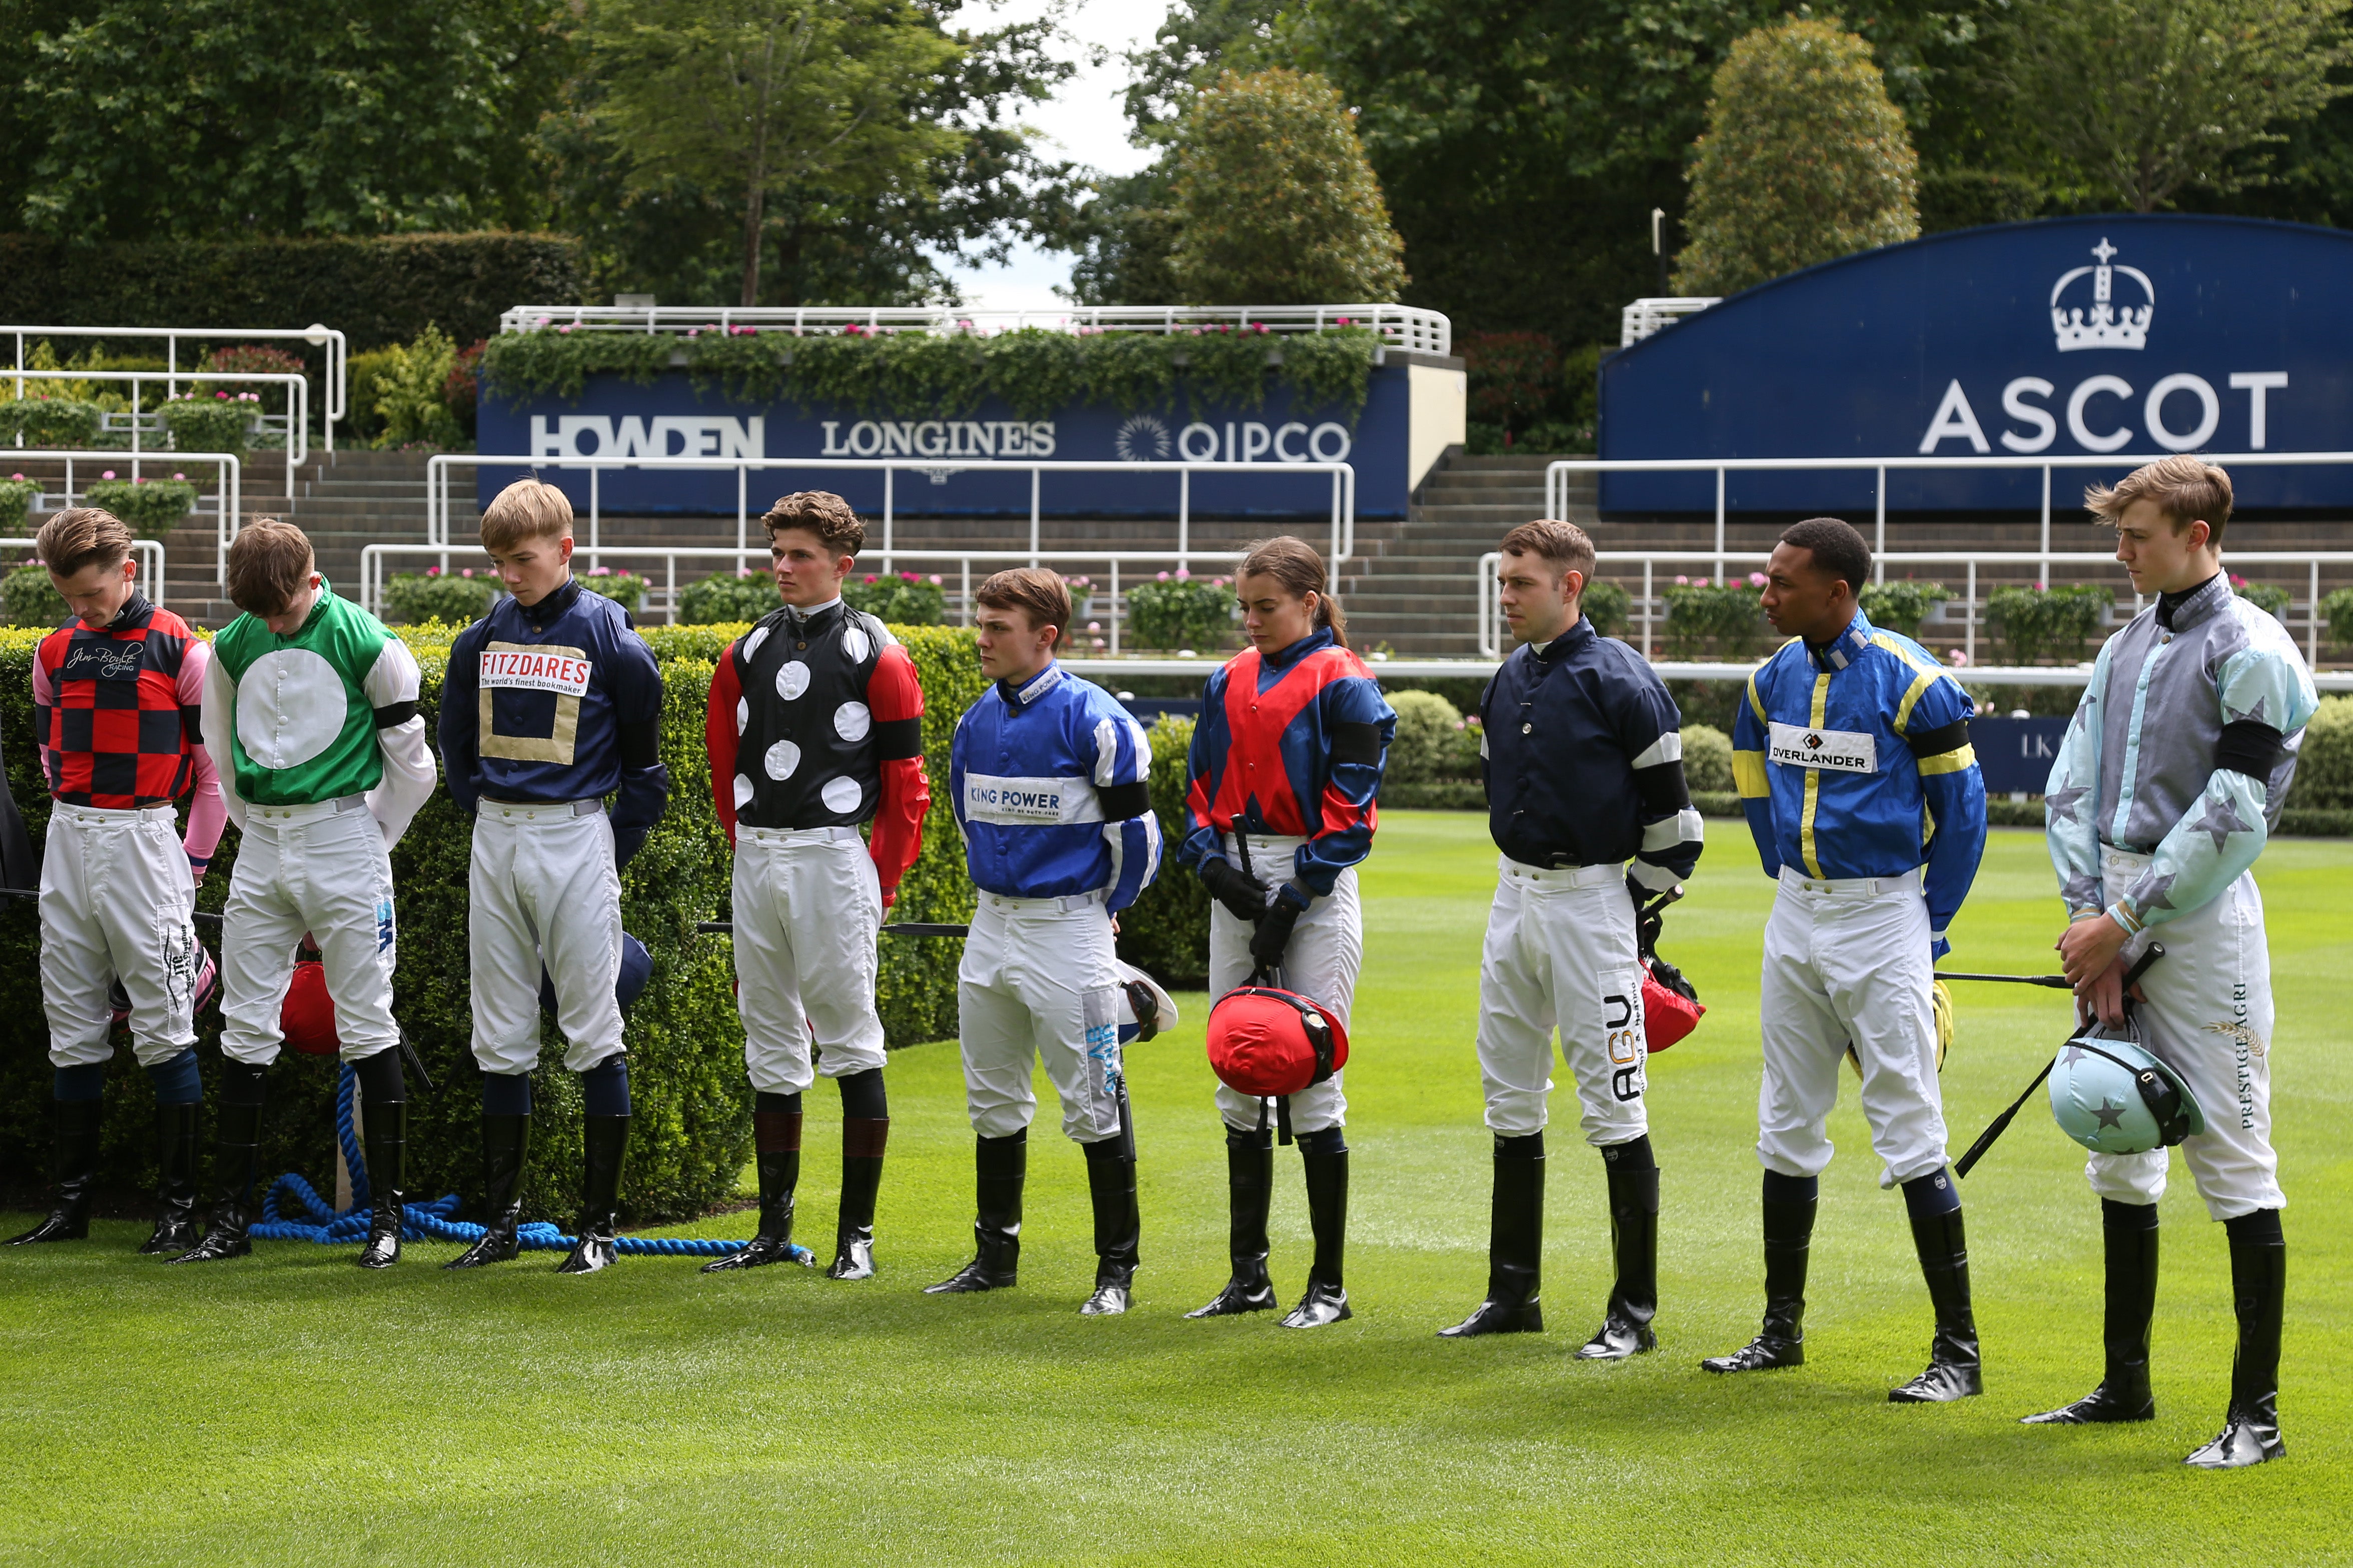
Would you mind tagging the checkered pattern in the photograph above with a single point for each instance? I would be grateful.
(115, 729)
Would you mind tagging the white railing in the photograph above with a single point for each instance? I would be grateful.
(1644, 317)
(228, 490)
(438, 468)
(1649, 606)
(1405, 326)
(317, 335)
(151, 563)
(294, 423)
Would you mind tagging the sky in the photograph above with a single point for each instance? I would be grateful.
(1083, 122)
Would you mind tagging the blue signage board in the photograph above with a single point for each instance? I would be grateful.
(616, 417)
(2066, 339)
(2016, 754)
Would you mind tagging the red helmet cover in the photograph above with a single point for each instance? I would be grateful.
(1261, 1045)
(1667, 1015)
(308, 1018)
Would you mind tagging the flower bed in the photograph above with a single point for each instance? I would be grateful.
(1182, 613)
(1728, 613)
(904, 599)
(150, 506)
(215, 421)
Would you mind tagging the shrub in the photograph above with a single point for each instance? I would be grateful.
(455, 599)
(2267, 597)
(1177, 612)
(1900, 607)
(48, 421)
(1512, 376)
(2054, 621)
(151, 506)
(360, 421)
(624, 588)
(1728, 612)
(1423, 749)
(904, 600)
(1804, 160)
(1707, 759)
(1166, 930)
(1608, 605)
(462, 389)
(721, 598)
(16, 499)
(213, 421)
(2324, 768)
(255, 359)
(1276, 203)
(407, 394)
(31, 599)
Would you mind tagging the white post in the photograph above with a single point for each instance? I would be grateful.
(1969, 617)
(2043, 568)
(1719, 524)
(1034, 475)
(1879, 545)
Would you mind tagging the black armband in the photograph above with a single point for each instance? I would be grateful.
(191, 723)
(1662, 788)
(1935, 743)
(1354, 741)
(2249, 746)
(394, 714)
(1119, 802)
(640, 744)
(896, 740)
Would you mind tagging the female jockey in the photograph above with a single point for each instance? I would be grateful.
(1285, 763)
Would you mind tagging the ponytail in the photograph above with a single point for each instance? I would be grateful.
(1295, 564)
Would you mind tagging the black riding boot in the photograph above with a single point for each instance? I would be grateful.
(1514, 1245)
(777, 1134)
(1633, 1177)
(1324, 1157)
(385, 1133)
(2129, 1233)
(1953, 1371)
(608, 1138)
(74, 1166)
(236, 1137)
(1111, 1187)
(175, 1188)
(1250, 1189)
(1000, 1167)
(863, 1140)
(506, 1142)
(1780, 1341)
(2258, 1294)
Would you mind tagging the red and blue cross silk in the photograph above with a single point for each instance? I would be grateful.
(114, 717)
(1289, 745)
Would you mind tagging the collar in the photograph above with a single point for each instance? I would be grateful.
(1580, 635)
(556, 604)
(1843, 649)
(797, 617)
(1283, 658)
(317, 609)
(1044, 681)
(134, 614)
(2180, 611)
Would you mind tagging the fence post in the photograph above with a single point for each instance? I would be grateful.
(2043, 568)
(1719, 523)
(1879, 545)
(1036, 475)
(1970, 619)
(2312, 621)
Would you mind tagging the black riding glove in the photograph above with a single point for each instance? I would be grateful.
(1650, 914)
(1273, 933)
(1243, 895)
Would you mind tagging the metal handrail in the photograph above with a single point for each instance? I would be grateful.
(151, 569)
(298, 449)
(1647, 316)
(228, 487)
(317, 334)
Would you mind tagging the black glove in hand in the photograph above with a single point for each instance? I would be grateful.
(1243, 895)
(1273, 933)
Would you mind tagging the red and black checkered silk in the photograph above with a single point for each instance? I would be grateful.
(117, 733)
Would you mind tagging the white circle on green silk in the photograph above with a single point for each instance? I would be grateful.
(291, 706)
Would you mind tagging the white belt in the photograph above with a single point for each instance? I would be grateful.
(1262, 846)
(1849, 887)
(117, 814)
(544, 811)
(1560, 877)
(1061, 906)
(2114, 859)
(296, 814)
(790, 835)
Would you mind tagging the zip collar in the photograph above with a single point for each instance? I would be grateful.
(1029, 696)
(558, 602)
(2180, 612)
(1843, 649)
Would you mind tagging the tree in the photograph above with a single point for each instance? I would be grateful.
(1804, 159)
(2148, 97)
(1275, 203)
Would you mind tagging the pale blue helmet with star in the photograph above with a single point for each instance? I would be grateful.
(2112, 1096)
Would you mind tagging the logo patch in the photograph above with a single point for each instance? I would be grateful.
(1831, 750)
(989, 797)
(101, 661)
(384, 929)
(560, 670)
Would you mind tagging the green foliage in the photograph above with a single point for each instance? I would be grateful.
(1276, 203)
(31, 599)
(1729, 613)
(1608, 605)
(2324, 766)
(1512, 376)
(1124, 237)
(211, 421)
(407, 395)
(2336, 609)
(1434, 741)
(16, 499)
(1166, 930)
(452, 598)
(48, 421)
(1707, 759)
(1804, 160)
(1175, 613)
(2268, 597)
(623, 587)
(1900, 606)
(904, 599)
(151, 506)
(2036, 622)
(723, 598)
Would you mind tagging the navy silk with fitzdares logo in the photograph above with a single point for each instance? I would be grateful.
(117, 733)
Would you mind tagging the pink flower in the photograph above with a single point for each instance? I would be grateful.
(433, 571)
(1756, 579)
(936, 579)
(469, 571)
(183, 478)
(140, 480)
(108, 475)
(565, 329)
(1957, 659)
(872, 578)
(1182, 575)
(1682, 581)
(1094, 625)
(20, 476)
(1162, 578)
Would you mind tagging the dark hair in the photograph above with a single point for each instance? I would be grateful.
(83, 536)
(1039, 594)
(1295, 564)
(1569, 547)
(820, 512)
(268, 562)
(1836, 548)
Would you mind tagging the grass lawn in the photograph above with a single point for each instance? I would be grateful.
(291, 1408)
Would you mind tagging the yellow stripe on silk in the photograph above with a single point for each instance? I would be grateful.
(1813, 782)
(1951, 761)
(1748, 776)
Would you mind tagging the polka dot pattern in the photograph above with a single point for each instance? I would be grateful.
(851, 720)
(840, 794)
(782, 759)
(792, 678)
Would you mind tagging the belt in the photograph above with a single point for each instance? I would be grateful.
(537, 811)
(1063, 905)
(1561, 876)
(1849, 887)
(311, 812)
(123, 814)
(790, 835)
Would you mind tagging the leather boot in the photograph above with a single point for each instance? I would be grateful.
(778, 1136)
(1634, 1243)
(176, 1187)
(863, 1140)
(1111, 1187)
(1250, 1189)
(2251, 1433)
(1514, 1253)
(74, 1167)
(506, 1142)
(1327, 1301)
(236, 1137)
(1952, 1371)
(2129, 1234)
(385, 1134)
(1780, 1341)
(1000, 1167)
(607, 1139)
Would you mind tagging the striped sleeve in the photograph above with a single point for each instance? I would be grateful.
(1750, 734)
(1204, 765)
(1123, 781)
(1649, 728)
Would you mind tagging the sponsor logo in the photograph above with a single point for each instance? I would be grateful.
(1014, 800)
(534, 669)
(2102, 323)
(940, 438)
(1830, 750)
(383, 931)
(633, 436)
(101, 661)
(1143, 439)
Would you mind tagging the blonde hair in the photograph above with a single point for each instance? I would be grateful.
(2185, 489)
(268, 562)
(1295, 564)
(83, 536)
(526, 509)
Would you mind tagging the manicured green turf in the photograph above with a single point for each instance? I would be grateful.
(289, 1408)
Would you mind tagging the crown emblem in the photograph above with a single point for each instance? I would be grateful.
(2102, 324)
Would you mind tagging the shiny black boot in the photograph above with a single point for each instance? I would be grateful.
(1780, 1341)
(1324, 1156)
(607, 1139)
(74, 1167)
(236, 1137)
(1250, 1189)
(1001, 1165)
(2251, 1436)
(1634, 1244)
(506, 1142)
(1514, 1247)
(385, 1133)
(2129, 1234)
(1953, 1371)
(175, 1188)
(779, 1134)
(1110, 1188)
(863, 1140)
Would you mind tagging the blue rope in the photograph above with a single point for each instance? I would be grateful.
(347, 1090)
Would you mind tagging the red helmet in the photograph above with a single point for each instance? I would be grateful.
(1670, 1008)
(1269, 1043)
(308, 1018)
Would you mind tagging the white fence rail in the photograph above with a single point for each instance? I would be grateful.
(228, 491)
(293, 425)
(151, 563)
(1644, 317)
(317, 335)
